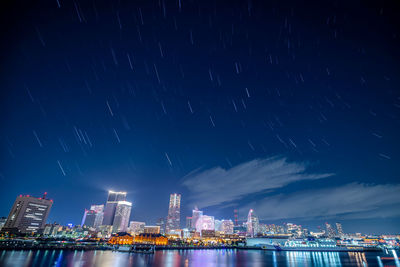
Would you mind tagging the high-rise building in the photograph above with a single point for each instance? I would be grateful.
(252, 224)
(174, 213)
(28, 214)
(339, 229)
(161, 223)
(329, 230)
(227, 226)
(196, 214)
(94, 216)
(188, 222)
(217, 225)
(111, 205)
(121, 218)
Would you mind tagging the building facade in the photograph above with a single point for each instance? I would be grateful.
(196, 214)
(121, 217)
(28, 214)
(174, 213)
(252, 224)
(111, 206)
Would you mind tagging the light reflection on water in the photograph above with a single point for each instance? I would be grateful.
(195, 258)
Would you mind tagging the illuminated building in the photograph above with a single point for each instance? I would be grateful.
(205, 222)
(94, 216)
(111, 206)
(329, 230)
(2, 222)
(121, 239)
(152, 229)
(339, 229)
(121, 217)
(28, 214)
(196, 214)
(161, 223)
(136, 227)
(188, 222)
(154, 239)
(252, 224)
(174, 213)
(227, 226)
(217, 225)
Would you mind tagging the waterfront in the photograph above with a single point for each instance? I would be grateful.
(217, 257)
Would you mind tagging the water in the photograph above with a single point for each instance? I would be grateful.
(200, 258)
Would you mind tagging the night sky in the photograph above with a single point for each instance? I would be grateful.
(287, 108)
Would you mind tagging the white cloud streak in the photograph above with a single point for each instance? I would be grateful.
(218, 186)
(350, 201)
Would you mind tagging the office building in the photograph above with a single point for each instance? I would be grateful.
(28, 214)
(330, 232)
(174, 213)
(93, 217)
(188, 222)
(227, 226)
(152, 229)
(161, 223)
(339, 229)
(196, 214)
(111, 206)
(121, 217)
(136, 227)
(252, 224)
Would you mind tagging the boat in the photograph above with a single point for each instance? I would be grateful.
(312, 244)
(143, 249)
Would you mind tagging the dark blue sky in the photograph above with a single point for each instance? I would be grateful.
(287, 108)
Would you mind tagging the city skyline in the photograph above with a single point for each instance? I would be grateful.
(290, 109)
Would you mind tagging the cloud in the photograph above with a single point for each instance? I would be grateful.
(350, 201)
(218, 186)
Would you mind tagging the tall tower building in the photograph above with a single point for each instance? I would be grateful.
(339, 229)
(94, 216)
(174, 213)
(329, 230)
(196, 214)
(28, 214)
(252, 224)
(121, 218)
(111, 205)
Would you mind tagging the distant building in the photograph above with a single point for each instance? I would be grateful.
(217, 225)
(111, 206)
(205, 222)
(174, 213)
(121, 217)
(161, 223)
(188, 222)
(136, 227)
(339, 229)
(329, 230)
(2, 221)
(93, 217)
(196, 214)
(28, 214)
(252, 224)
(152, 229)
(227, 226)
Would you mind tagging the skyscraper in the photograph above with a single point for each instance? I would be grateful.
(252, 224)
(339, 229)
(196, 214)
(28, 214)
(94, 216)
(121, 218)
(174, 213)
(227, 226)
(111, 205)
(189, 222)
(329, 230)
